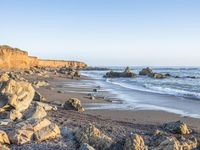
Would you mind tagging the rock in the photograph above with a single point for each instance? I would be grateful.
(37, 112)
(19, 95)
(176, 127)
(158, 76)
(48, 132)
(171, 143)
(73, 104)
(77, 73)
(95, 90)
(68, 133)
(28, 72)
(38, 97)
(92, 97)
(14, 115)
(60, 92)
(45, 106)
(4, 147)
(23, 131)
(93, 136)
(5, 122)
(4, 77)
(40, 83)
(4, 138)
(134, 142)
(127, 70)
(126, 74)
(86, 146)
(146, 72)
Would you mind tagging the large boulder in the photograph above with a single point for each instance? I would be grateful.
(171, 143)
(33, 129)
(94, 137)
(37, 112)
(149, 72)
(134, 142)
(17, 94)
(48, 132)
(125, 74)
(177, 127)
(73, 104)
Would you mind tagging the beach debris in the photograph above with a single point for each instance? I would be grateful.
(134, 142)
(38, 84)
(38, 97)
(73, 104)
(94, 137)
(86, 146)
(177, 127)
(18, 95)
(126, 74)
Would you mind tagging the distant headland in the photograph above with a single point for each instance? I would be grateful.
(14, 58)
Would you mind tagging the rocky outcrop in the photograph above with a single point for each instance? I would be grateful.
(134, 142)
(73, 104)
(94, 137)
(126, 74)
(14, 58)
(149, 72)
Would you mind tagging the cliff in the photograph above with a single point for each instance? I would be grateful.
(13, 58)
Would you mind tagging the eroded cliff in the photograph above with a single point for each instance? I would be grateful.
(13, 58)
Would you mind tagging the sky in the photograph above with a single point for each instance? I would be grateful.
(105, 32)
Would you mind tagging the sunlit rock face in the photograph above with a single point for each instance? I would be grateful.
(14, 58)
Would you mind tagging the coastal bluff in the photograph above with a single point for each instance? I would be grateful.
(14, 58)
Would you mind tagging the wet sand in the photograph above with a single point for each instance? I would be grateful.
(75, 88)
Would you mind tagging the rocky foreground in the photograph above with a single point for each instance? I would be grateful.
(29, 121)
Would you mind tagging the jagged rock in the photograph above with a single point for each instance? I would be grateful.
(23, 131)
(4, 138)
(134, 142)
(126, 74)
(73, 104)
(4, 77)
(28, 72)
(48, 132)
(14, 115)
(94, 137)
(35, 112)
(38, 97)
(17, 94)
(68, 133)
(45, 106)
(86, 146)
(146, 72)
(171, 143)
(5, 122)
(38, 84)
(177, 127)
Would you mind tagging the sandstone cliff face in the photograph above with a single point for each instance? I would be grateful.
(13, 58)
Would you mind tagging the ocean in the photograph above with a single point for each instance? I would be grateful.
(178, 95)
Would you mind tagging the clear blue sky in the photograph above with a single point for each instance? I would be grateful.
(105, 32)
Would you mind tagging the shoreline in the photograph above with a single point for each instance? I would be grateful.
(143, 116)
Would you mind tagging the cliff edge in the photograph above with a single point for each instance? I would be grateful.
(14, 58)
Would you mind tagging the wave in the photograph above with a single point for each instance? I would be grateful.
(158, 89)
